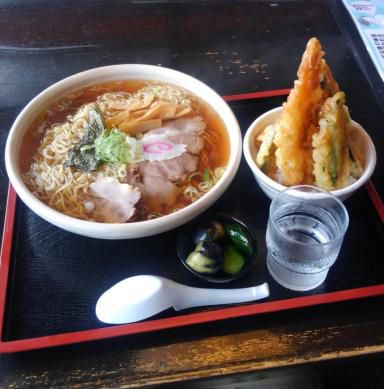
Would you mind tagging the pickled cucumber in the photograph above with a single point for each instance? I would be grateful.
(240, 238)
(233, 260)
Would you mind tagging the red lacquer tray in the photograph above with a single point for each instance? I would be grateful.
(369, 282)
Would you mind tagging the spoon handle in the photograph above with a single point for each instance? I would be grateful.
(197, 297)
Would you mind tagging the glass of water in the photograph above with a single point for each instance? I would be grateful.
(306, 227)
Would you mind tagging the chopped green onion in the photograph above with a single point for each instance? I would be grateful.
(206, 175)
(111, 146)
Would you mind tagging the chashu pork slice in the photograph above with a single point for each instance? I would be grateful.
(159, 180)
(159, 192)
(156, 191)
(113, 201)
(172, 170)
(186, 131)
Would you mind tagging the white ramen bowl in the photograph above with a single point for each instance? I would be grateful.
(271, 188)
(115, 73)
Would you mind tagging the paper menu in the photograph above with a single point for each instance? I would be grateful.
(368, 16)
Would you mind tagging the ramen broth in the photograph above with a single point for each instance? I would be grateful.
(216, 152)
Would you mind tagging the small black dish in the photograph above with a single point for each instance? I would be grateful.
(186, 245)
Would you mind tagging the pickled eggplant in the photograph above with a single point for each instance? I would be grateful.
(219, 248)
(206, 258)
(210, 230)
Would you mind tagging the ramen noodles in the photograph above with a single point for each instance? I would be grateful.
(125, 151)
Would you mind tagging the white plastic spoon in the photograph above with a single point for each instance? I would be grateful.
(139, 297)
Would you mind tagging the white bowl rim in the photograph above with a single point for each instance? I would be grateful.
(97, 229)
(369, 167)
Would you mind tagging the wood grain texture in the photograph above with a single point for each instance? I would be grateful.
(235, 47)
(242, 346)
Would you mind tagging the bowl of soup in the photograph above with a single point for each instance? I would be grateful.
(123, 151)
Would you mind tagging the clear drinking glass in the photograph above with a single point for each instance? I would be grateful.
(306, 228)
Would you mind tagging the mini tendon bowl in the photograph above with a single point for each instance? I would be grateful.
(271, 188)
(117, 73)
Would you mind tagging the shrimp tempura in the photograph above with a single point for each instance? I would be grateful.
(300, 117)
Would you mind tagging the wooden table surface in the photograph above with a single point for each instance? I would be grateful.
(235, 47)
